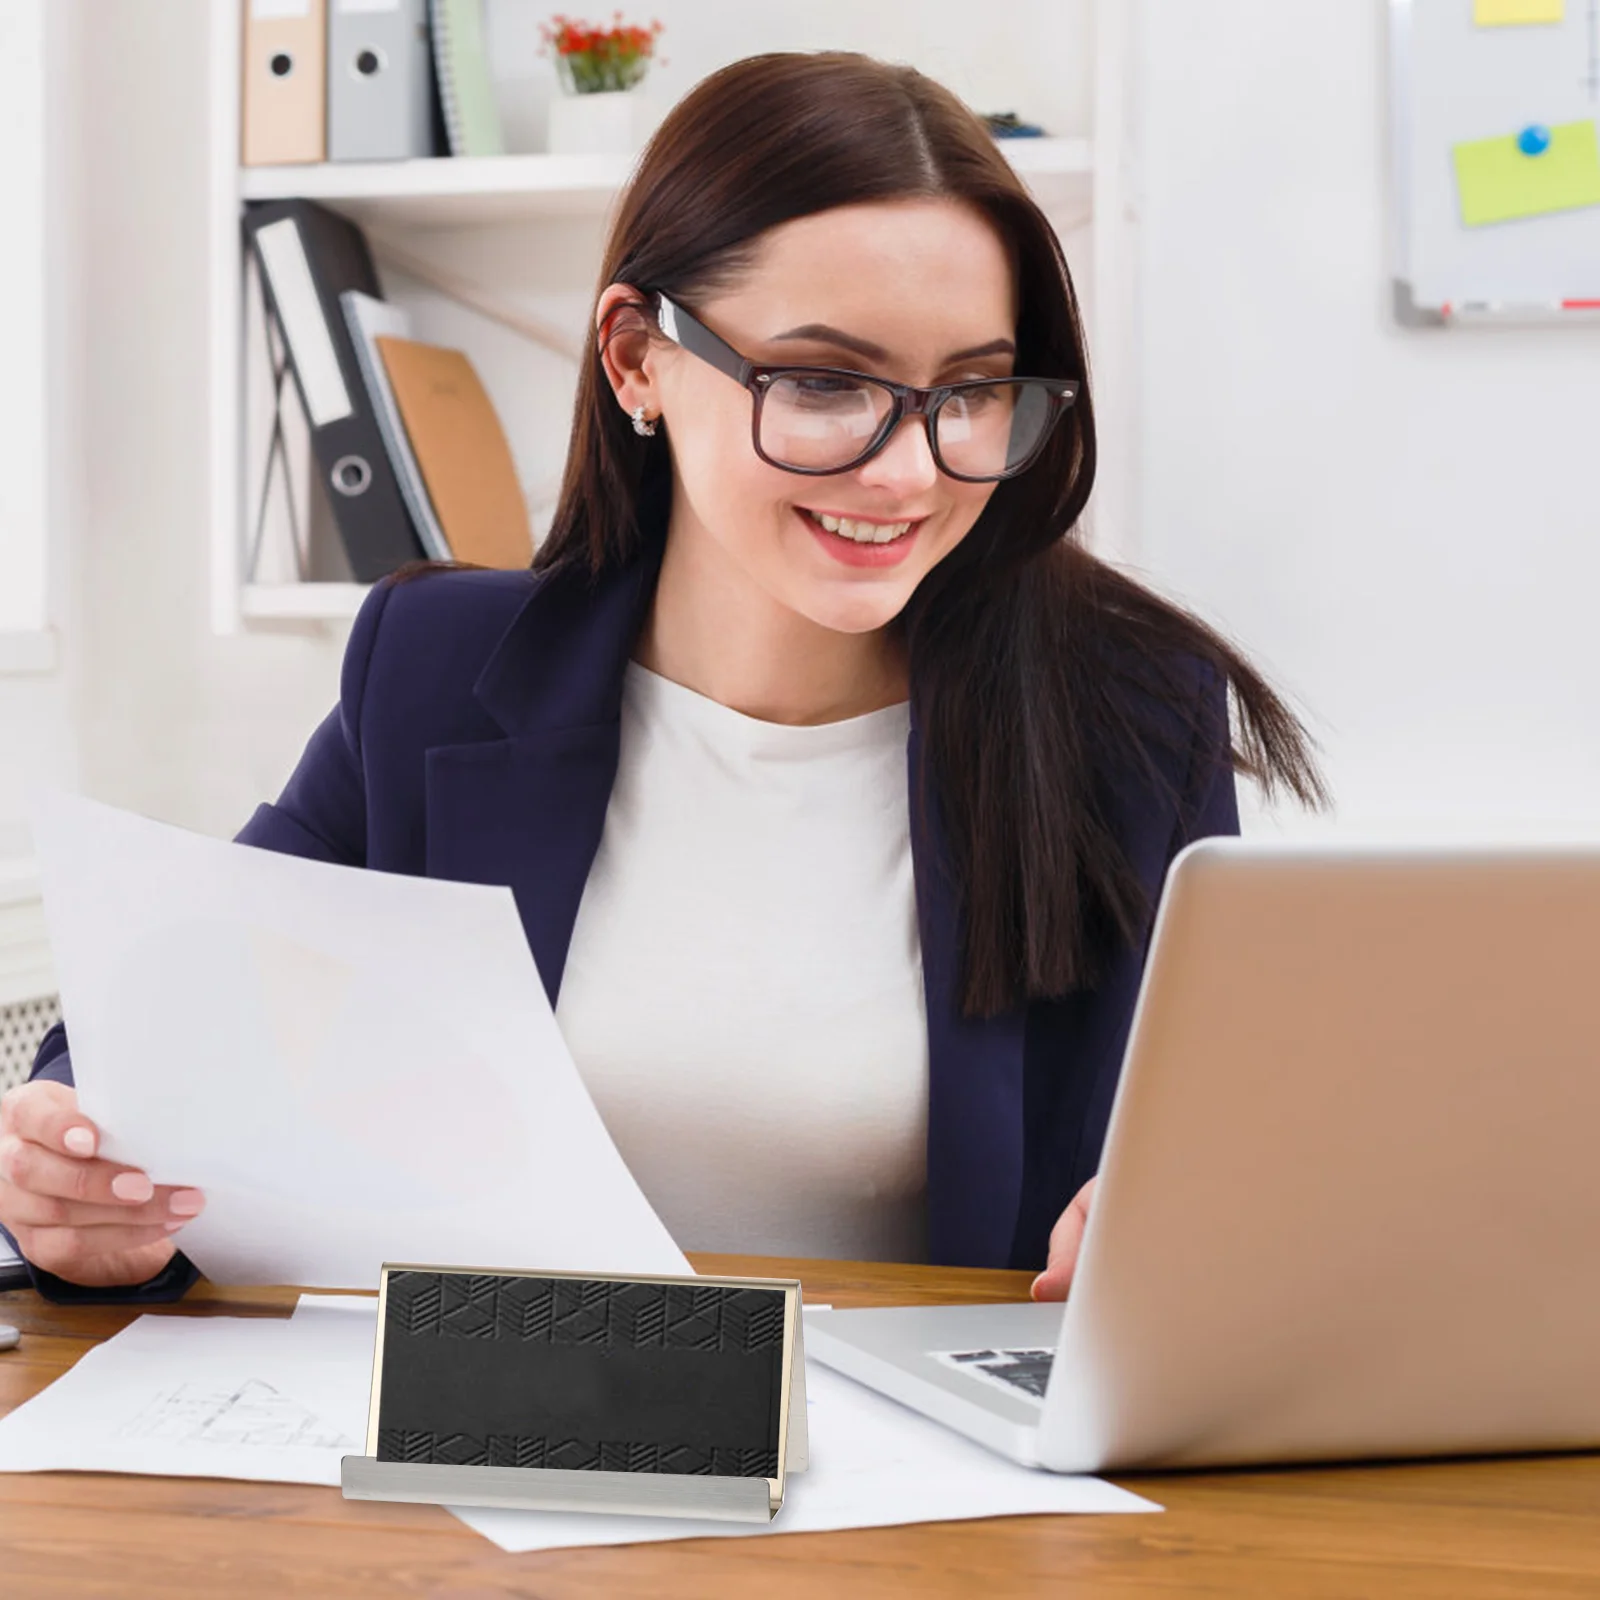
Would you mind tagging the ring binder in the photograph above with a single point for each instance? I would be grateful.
(308, 256)
(380, 80)
(283, 111)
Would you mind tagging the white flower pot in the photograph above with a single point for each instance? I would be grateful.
(613, 122)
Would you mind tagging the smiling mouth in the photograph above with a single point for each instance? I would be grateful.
(858, 531)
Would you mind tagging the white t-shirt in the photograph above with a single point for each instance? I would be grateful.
(743, 994)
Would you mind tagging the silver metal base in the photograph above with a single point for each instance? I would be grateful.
(648, 1494)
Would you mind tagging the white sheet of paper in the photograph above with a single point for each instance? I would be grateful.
(205, 1397)
(355, 1066)
(874, 1463)
(282, 1400)
(361, 1305)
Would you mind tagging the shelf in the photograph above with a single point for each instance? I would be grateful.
(1060, 172)
(301, 602)
(449, 192)
(478, 190)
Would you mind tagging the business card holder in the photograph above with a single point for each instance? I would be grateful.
(569, 1391)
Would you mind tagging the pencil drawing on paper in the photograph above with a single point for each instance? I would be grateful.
(247, 1413)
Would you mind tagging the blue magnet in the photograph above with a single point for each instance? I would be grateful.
(1534, 140)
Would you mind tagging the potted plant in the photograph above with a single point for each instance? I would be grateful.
(600, 108)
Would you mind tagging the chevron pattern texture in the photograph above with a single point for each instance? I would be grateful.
(575, 1455)
(611, 1315)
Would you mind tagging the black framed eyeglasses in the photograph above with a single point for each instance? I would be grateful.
(823, 420)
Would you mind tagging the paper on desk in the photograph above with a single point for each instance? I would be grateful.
(361, 1305)
(354, 1066)
(874, 1463)
(282, 1400)
(205, 1397)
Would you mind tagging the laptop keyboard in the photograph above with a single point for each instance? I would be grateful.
(1019, 1371)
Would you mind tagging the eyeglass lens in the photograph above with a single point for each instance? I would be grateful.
(823, 421)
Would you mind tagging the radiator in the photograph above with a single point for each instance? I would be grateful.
(22, 1025)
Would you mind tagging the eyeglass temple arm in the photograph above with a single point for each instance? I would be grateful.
(699, 340)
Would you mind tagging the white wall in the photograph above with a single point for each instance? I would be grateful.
(1033, 57)
(1403, 526)
(171, 720)
(146, 707)
(37, 355)
(23, 115)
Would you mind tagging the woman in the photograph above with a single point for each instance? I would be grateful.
(835, 781)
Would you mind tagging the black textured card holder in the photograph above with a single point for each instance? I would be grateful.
(569, 1391)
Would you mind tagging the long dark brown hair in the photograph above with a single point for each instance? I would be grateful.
(1022, 644)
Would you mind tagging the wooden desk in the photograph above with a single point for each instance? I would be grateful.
(1455, 1531)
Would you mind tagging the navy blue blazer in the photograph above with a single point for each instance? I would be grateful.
(476, 739)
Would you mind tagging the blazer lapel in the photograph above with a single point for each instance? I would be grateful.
(528, 810)
(975, 1066)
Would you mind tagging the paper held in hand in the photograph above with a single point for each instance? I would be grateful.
(354, 1066)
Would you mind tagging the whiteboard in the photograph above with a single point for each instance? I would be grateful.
(1451, 82)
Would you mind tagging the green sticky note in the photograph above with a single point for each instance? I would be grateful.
(1516, 13)
(1497, 182)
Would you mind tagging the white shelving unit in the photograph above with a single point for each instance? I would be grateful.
(300, 602)
(430, 201)
(484, 190)
(475, 191)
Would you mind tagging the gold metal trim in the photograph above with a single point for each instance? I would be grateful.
(377, 1365)
(791, 1312)
(791, 1315)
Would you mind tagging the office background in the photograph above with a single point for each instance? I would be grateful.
(1401, 525)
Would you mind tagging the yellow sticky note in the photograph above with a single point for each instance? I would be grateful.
(1516, 13)
(1497, 181)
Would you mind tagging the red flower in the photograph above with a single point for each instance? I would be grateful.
(597, 57)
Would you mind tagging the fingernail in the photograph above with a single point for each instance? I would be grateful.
(80, 1141)
(186, 1203)
(172, 1227)
(1033, 1288)
(132, 1186)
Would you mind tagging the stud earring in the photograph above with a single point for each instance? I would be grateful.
(639, 424)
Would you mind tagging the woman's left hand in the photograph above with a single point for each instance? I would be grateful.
(1065, 1239)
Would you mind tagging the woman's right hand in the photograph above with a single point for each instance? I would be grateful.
(92, 1222)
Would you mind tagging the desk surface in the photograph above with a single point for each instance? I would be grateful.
(1455, 1531)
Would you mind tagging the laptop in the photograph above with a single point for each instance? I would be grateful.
(1349, 1203)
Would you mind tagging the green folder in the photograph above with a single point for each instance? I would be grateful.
(466, 90)
(1498, 183)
